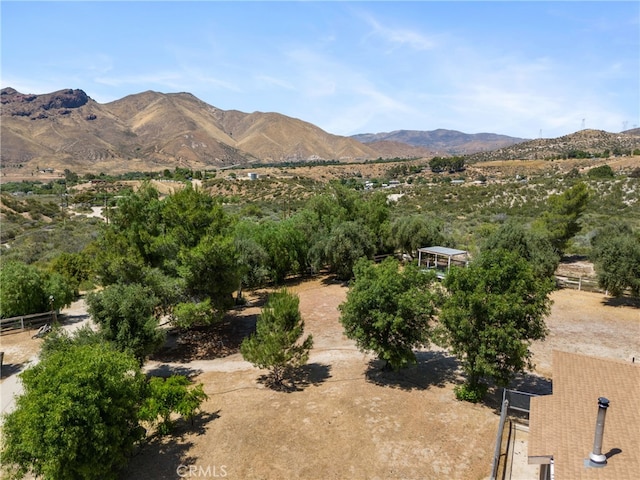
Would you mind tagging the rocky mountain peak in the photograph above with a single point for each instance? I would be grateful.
(15, 103)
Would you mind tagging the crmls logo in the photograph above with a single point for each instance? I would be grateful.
(196, 471)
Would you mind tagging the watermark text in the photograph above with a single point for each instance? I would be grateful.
(202, 471)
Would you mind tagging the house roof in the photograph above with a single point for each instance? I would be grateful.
(450, 252)
(562, 425)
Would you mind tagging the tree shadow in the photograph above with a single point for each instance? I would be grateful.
(573, 258)
(9, 369)
(258, 298)
(196, 424)
(334, 280)
(164, 370)
(433, 369)
(160, 457)
(207, 342)
(66, 319)
(531, 383)
(525, 382)
(298, 379)
(624, 301)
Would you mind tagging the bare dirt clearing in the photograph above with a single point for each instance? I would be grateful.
(348, 419)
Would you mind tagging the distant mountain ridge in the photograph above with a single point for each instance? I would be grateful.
(151, 131)
(590, 141)
(441, 141)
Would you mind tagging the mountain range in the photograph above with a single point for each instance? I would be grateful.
(152, 131)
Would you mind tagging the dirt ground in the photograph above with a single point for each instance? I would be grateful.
(349, 420)
(346, 419)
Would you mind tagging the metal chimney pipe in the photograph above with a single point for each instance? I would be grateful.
(596, 458)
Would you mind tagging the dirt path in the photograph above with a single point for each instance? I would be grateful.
(21, 350)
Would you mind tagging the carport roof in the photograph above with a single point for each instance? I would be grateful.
(449, 252)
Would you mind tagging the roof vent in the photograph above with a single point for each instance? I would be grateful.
(596, 457)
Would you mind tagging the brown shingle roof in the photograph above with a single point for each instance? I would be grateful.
(562, 425)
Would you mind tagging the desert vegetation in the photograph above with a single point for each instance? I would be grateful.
(188, 255)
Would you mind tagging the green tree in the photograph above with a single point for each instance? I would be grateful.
(373, 210)
(26, 289)
(616, 256)
(253, 259)
(125, 316)
(169, 396)
(115, 259)
(58, 291)
(388, 310)
(603, 171)
(410, 232)
(343, 247)
(137, 218)
(561, 221)
(59, 340)
(530, 245)
(438, 164)
(188, 314)
(22, 290)
(74, 267)
(77, 417)
(180, 247)
(275, 345)
(286, 247)
(191, 214)
(492, 312)
(210, 273)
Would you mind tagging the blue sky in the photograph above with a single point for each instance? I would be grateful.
(525, 69)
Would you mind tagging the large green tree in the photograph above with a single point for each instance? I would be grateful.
(74, 267)
(560, 222)
(410, 232)
(78, 415)
(181, 247)
(616, 256)
(252, 257)
(125, 316)
(286, 247)
(529, 244)
(211, 273)
(389, 309)
(343, 247)
(26, 289)
(276, 344)
(492, 312)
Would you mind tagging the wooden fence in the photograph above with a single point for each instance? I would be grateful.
(579, 283)
(17, 324)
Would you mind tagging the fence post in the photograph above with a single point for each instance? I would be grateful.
(498, 448)
(21, 323)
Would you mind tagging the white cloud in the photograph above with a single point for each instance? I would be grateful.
(267, 80)
(398, 37)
